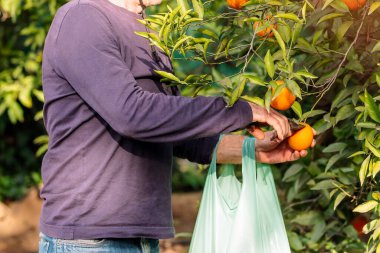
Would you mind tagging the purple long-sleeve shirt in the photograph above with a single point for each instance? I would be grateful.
(114, 128)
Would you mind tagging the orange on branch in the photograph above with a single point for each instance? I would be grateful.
(236, 4)
(284, 100)
(265, 31)
(354, 5)
(358, 223)
(302, 139)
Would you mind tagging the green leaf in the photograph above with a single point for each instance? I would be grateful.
(335, 147)
(364, 169)
(255, 100)
(237, 92)
(357, 153)
(15, 113)
(251, 19)
(198, 8)
(376, 47)
(340, 97)
(168, 75)
(191, 20)
(184, 4)
(327, 3)
(269, 64)
(305, 74)
(275, 3)
(311, 114)
(318, 229)
(374, 7)
(373, 149)
(306, 218)
(268, 99)
(371, 107)
(376, 196)
(179, 43)
(280, 42)
(293, 170)
(325, 184)
(39, 95)
(296, 107)
(369, 125)
(295, 242)
(304, 9)
(297, 28)
(342, 29)
(333, 160)
(344, 113)
(339, 199)
(294, 88)
(366, 207)
(208, 32)
(329, 16)
(370, 226)
(290, 16)
(254, 79)
(375, 169)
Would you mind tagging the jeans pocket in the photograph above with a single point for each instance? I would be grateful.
(84, 242)
(43, 246)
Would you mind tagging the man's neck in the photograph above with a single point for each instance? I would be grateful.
(130, 5)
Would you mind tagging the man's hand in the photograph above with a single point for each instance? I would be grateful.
(267, 150)
(272, 150)
(273, 118)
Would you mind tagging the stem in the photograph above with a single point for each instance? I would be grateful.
(329, 83)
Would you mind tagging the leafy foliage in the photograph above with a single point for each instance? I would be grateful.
(329, 58)
(23, 27)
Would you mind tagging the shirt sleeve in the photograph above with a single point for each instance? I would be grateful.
(87, 55)
(198, 150)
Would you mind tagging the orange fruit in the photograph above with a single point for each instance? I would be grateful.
(358, 223)
(236, 4)
(264, 32)
(354, 5)
(284, 100)
(301, 139)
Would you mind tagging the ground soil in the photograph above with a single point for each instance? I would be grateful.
(19, 223)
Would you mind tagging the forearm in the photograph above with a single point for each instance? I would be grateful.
(230, 149)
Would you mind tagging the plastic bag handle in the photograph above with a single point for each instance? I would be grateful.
(249, 160)
(248, 155)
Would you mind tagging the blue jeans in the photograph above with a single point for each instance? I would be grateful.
(129, 245)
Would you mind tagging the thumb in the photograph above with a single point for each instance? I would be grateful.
(256, 132)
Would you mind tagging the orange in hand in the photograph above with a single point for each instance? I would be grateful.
(284, 100)
(302, 139)
(354, 5)
(263, 32)
(236, 4)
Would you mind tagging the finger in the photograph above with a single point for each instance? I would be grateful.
(314, 131)
(279, 126)
(303, 153)
(284, 121)
(278, 129)
(257, 132)
(313, 144)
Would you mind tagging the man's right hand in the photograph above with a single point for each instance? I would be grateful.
(273, 118)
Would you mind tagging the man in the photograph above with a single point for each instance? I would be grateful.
(114, 129)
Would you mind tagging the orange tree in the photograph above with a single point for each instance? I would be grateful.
(327, 54)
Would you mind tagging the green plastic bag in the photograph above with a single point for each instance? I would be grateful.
(239, 217)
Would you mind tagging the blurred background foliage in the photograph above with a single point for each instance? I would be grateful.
(318, 193)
